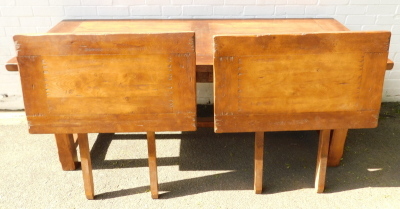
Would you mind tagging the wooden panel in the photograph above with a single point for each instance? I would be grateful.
(285, 83)
(299, 81)
(108, 82)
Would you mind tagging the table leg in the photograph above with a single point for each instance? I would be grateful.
(258, 162)
(322, 158)
(67, 151)
(336, 146)
(151, 146)
(86, 165)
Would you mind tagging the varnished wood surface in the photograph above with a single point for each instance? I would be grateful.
(299, 81)
(322, 159)
(12, 64)
(86, 163)
(258, 162)
(336, 147)
(289, 82)
(152, 158)
(204, 30)
(108, 83)
(99, 83)
(67, 151)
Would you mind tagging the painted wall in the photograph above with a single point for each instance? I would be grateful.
(31, 16)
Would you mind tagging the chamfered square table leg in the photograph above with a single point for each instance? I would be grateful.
(67, 151)
(86, 163)
(151, 146)
(322, 159)
(336, 146)
(258, 162)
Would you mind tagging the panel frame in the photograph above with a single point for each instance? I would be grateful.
(229, 50)
(178, 49)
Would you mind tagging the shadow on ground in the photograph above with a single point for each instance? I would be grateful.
(371, 159)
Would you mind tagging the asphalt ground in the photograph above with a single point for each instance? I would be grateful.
(202, 169)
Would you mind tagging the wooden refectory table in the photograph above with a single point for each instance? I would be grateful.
(204, 32)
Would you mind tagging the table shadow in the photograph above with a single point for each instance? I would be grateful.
(371, 159)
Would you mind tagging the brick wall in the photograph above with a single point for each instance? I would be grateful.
(31, 16)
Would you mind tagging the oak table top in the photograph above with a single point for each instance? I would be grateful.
(204, 31)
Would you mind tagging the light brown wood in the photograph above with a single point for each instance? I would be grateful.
(322, 159)
(86, 165)
(389, 65)
(300, 81)
(86, 81)
(12, 64)
(67, 151)
(204, 29)
(258, 162)
(336, 146)
(151, 146)
(102, 83)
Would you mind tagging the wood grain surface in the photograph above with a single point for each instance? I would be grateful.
(108, 82)
(302, 81)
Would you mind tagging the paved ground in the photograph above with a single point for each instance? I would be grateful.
(202, 170)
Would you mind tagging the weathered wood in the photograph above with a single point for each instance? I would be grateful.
(151, 146)
(205, 122)
(258, 162)
(322, 158)
(204, 29)
(12, 64)
(204, 73)
(299, 81)
(86, 81)
(107, 83)
(295, 121)
(336, 146)
(307, 81)
(86, 163)
(201, 76)
(95, 124)
(67, 151)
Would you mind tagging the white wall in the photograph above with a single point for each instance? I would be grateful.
(31, 16)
